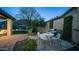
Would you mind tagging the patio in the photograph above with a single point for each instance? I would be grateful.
(7, 43)
(45, 45)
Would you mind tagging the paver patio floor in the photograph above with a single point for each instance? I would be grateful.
(57, 46)
(7, 43)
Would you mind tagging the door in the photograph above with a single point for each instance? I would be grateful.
(51, 24)
(67, 28)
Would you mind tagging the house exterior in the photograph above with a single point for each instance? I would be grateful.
(63, 20)
(5, 16)
(58, 24)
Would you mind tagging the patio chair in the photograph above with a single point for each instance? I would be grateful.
(3, 32)
(41, 41)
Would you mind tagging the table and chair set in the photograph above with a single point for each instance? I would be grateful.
(53, 41)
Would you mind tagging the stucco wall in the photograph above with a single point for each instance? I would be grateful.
(75, 27)
(75, 24)
(58, 24)
(44, 29)
(47, 26)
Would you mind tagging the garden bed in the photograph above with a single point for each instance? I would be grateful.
(25, 45)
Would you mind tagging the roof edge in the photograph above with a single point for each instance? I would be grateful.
(6, 14)
(62, 14)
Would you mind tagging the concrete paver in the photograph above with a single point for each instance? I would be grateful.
(7, 43)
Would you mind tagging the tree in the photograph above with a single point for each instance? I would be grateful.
(42, 23)
(33, 18)
(29, 13)
(38, 23)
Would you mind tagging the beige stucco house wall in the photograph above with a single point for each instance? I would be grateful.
(75, 24)
(58, 24)
(47, 26)
(44, 29)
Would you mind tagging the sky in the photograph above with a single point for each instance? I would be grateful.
(46, 12)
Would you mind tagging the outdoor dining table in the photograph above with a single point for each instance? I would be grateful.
(46, 36)
(49, 37)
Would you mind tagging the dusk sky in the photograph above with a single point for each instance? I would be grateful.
(46, 12)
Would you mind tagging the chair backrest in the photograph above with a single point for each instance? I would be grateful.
(56, 37)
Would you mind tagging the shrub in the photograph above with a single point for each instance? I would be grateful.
(26, 45)
(29, 45)
(30, 29)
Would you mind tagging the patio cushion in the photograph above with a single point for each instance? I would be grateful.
(3, 31)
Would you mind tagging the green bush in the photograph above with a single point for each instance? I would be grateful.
(29, 45)
(26, 45)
